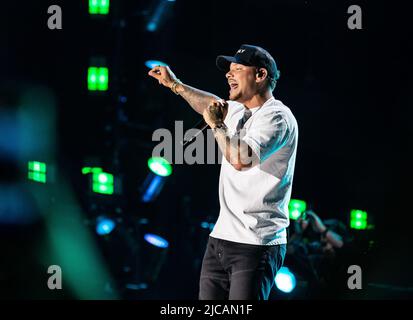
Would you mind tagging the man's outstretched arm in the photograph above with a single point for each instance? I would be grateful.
(196, 98)
(214, 110)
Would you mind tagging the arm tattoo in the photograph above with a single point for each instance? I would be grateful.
(236, 151)
(196, 98)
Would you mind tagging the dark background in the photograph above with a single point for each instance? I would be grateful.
(350, 91)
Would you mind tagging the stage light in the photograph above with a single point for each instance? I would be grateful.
(160, 166)
(156, 240)
(152, 26)
(139, 286)
(285, 280)
(102, 183)
(154, 63)
(296, 208)
(154, 182)
(152, 186)
(153, 257)
(99, 6)
(358, 219)
(207, 225)
(98, 79)
(104, 225)
(87, 170)
(37, 171)
(159, 15)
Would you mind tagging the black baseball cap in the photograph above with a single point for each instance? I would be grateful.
(249, 55)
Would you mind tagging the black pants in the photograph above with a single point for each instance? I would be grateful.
(237, 271)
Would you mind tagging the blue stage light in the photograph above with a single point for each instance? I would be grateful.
(154, 182)
(204, 225)
(154, 63)
(285, 280)
(207, 225)
(152, 26)
(158, 16)
(104, 225)
(156, 240)
(153, 189)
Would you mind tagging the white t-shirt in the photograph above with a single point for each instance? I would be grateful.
(254, 201)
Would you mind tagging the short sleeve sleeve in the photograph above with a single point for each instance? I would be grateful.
(233, 107)
(267, 134)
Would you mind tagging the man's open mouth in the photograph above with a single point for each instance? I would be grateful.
(233, 85)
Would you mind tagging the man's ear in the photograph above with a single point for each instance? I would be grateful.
(261, 74)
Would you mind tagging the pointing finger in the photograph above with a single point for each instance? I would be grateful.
(154, 74)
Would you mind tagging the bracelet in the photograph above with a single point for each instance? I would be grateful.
(173, 87)
(220, 126)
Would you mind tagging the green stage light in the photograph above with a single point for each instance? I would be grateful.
(37, 171)
(98, 79)
(358, 219)
(160, 166)
(99, 6)
(296, 208)
(103, 183)
(87, 170)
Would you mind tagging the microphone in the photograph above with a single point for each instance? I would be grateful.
(201, 125)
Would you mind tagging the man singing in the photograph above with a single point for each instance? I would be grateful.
(257, 136)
